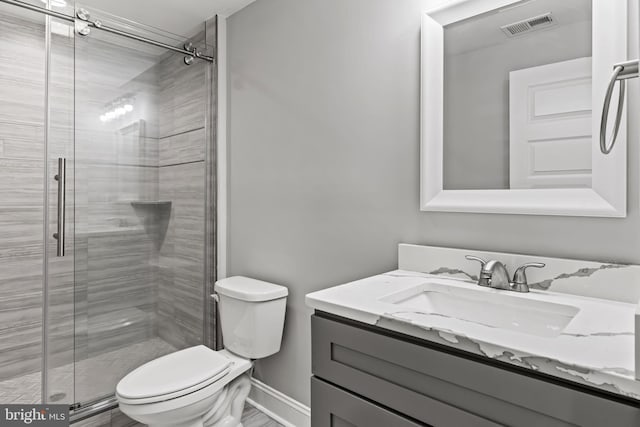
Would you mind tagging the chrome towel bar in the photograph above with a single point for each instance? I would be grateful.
(621, 72)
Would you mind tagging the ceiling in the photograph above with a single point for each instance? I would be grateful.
(484, 30)
(175, 16)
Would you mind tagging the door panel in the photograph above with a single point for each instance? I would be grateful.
(550, 125)
(59, 293)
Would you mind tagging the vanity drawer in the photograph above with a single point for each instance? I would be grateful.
(334, 407)
(442, 388)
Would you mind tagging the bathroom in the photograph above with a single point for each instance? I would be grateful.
(256, 155)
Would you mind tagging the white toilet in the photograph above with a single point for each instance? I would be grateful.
(199, 387)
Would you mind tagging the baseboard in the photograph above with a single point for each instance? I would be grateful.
(282, 408)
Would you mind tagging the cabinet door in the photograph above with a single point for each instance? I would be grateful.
(334, 407)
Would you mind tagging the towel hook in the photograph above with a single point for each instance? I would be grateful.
(621, 72)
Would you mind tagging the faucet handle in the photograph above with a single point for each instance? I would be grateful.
(483, 278)
(475, 258)
(520, 278)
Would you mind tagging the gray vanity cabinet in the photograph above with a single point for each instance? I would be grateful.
(365, 376)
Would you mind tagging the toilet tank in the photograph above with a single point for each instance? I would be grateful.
(251, 315)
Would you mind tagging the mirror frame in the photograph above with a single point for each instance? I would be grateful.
(608, 195)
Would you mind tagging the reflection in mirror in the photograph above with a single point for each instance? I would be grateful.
(517, 97)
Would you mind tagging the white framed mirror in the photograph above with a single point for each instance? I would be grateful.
(512, 94)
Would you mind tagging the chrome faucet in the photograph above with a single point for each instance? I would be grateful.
(493, 274)
(498, 276)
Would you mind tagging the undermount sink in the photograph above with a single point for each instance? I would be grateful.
(488, 307)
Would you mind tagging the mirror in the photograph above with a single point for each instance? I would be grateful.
(536, 55)
(511, 98)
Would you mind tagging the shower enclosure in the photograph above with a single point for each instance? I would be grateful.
(107, 225)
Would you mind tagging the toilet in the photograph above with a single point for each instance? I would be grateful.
(197, 386)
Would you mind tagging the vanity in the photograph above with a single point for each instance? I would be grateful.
(425, 345)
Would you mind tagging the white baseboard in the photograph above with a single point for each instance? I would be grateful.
(282, 408)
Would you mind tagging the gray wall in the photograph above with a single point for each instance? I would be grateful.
(324, 161)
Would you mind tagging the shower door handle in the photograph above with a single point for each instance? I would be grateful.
(61, 177)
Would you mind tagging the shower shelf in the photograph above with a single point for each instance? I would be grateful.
(109, 231)
(151, 203)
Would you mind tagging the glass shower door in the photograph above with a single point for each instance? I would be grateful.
(36, 283)
(105, 182)
(59, 295)
(22, 154)
(140, 203)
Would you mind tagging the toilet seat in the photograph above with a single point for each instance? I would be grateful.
(174, 375)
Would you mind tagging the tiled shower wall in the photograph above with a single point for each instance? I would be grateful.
(165, 157)
(139, 268)
(151, 268)
(183, 98)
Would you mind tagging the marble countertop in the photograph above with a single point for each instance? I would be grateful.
(597, 348)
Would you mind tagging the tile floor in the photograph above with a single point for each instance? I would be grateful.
(99, 375)
(254, 418)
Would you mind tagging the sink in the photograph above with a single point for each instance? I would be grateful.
(488, 307)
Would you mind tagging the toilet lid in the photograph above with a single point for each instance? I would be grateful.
(174, 372)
